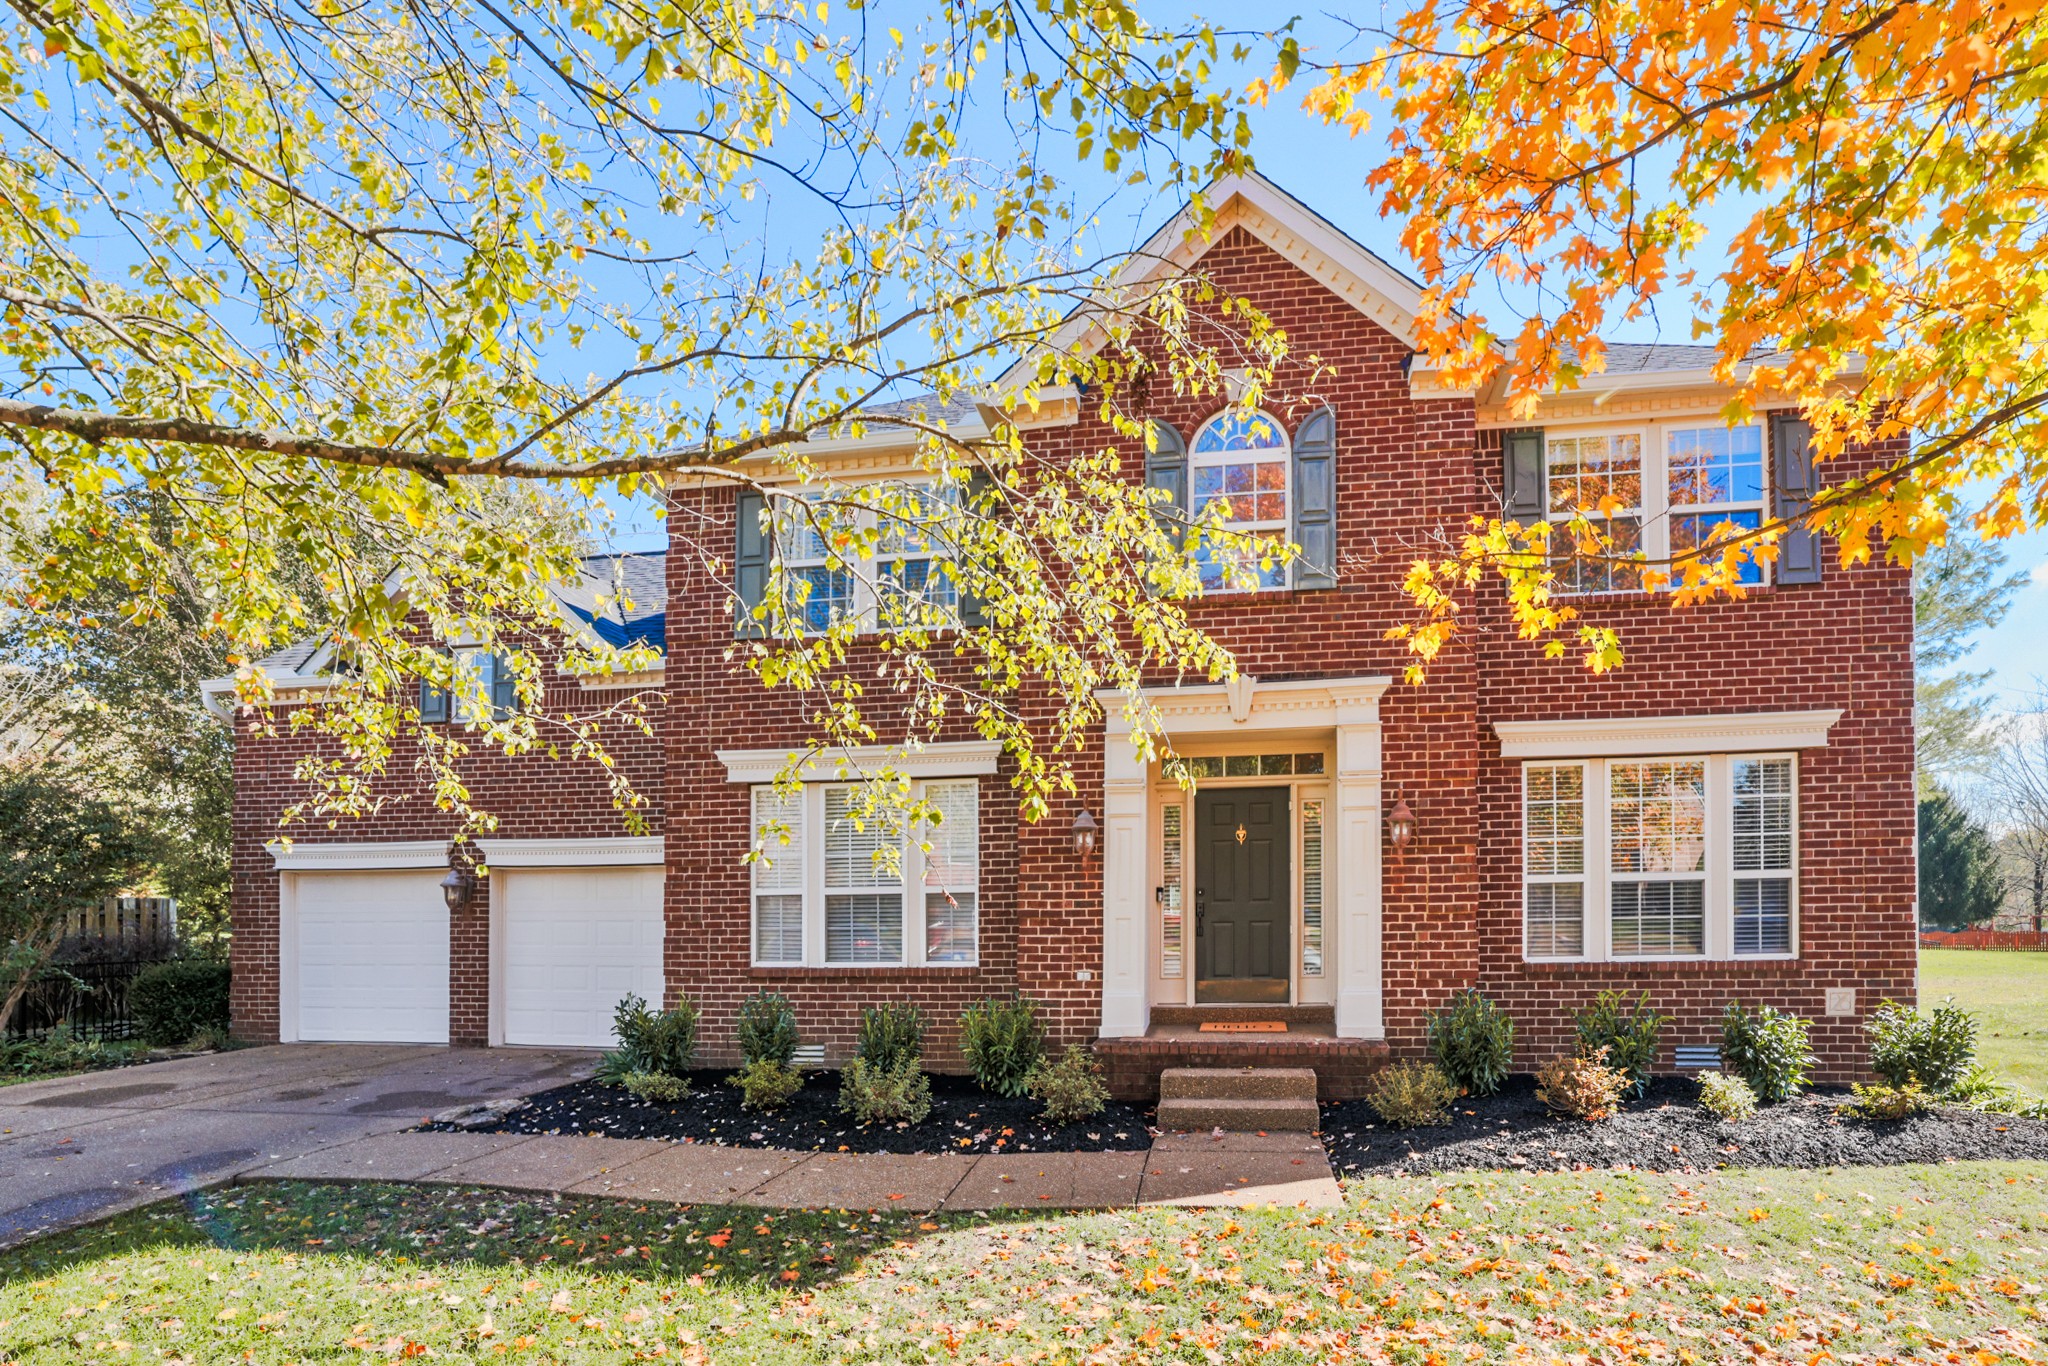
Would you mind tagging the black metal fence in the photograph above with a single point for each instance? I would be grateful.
(86, 984)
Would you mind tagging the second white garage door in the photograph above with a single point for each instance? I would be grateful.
(576, 941)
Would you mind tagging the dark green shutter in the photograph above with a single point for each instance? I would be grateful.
(981, 503)
(1525, 498)
(749, 563)
(504, 688)
(433, 702)
(1792, 489)
(1315, 500)
(1166, 468)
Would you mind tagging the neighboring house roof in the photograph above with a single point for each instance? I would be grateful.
(591, 607)
(641, 578)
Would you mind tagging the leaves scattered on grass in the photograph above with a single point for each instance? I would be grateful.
(1772, 1265)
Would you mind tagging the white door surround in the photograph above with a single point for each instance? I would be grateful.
(1340, 712)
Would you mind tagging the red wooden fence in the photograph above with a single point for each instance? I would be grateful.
(2035, 940)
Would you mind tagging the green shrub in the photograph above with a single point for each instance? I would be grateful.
(658, 1087)
(766, 1084)
(1473, 1041)
(663, 1041)
(901, 1094)
(1766, 1048)
(1888, 1102)
(891, 1035)
(1981, 1089)
(1002, 1041)
(173, 1001)
(1581, 1086)
(1934, 1050)
(212, 1041)
(1409, 1094)
(1728, 1098)
(61, 1051)
(1628, 1031)
(1071, 1089)
(767, 1029)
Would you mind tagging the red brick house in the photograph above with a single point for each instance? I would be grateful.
(1730, 816)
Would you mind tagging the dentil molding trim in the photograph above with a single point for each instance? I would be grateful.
(1612, 737)
(948, 759)
(364, 856)
(612, 852)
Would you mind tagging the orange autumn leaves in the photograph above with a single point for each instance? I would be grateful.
(1877, 174)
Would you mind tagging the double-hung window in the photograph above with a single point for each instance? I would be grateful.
(913, 587)
(1715, 479)
(1239, 468)
(817, 575)
(877, 556)
(834, 885)
(1659, 494)
(1600, 476)
(1763, 855)
(1690, 857)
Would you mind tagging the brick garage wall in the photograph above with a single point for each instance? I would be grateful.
(533, 797)
(1845, 642)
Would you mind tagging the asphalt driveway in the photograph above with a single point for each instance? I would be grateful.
(77, 1148)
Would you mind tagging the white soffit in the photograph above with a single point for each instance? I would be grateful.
(951, 759)
(1622, 736)
(364, 856)
(615, 852)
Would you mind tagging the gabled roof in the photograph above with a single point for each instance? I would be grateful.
(1350, 270)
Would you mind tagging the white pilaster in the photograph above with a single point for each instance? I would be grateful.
(1357, 863)
(1126, 953)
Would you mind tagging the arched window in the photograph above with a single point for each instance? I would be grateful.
(1240, 464)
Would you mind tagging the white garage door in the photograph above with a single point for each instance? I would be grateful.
(576, 941)
(373, 957)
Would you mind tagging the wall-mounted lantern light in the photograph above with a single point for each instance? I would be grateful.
(1401, 826)
(456, 886)
(1085, 830)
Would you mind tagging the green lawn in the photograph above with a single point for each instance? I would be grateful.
(1946, 1262)
(2008, 993)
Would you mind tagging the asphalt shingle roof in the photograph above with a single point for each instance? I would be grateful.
(640, 578)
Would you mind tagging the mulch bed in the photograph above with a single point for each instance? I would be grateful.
(1664, 1131)
(964, 1119)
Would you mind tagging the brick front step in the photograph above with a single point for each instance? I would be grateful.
(1193, 1114)
(1131, 1067)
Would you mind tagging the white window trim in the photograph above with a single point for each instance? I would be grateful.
(1656, 508)
(1597, 939)
(1583, 879)
(1628, 737)
(943, 759)
(812, 850)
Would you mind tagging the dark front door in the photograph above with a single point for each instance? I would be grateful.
(1244, 900)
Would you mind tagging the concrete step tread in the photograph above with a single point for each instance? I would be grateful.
(1190, 1115)
(1238, 1083)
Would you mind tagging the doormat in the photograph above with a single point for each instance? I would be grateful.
(1242, 1027)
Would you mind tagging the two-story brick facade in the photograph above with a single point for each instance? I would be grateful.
(1730, 816)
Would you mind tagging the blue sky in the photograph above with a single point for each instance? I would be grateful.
(1326, 168)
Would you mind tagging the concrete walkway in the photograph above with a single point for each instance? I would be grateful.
(75, 1149)
(1180, 1169)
